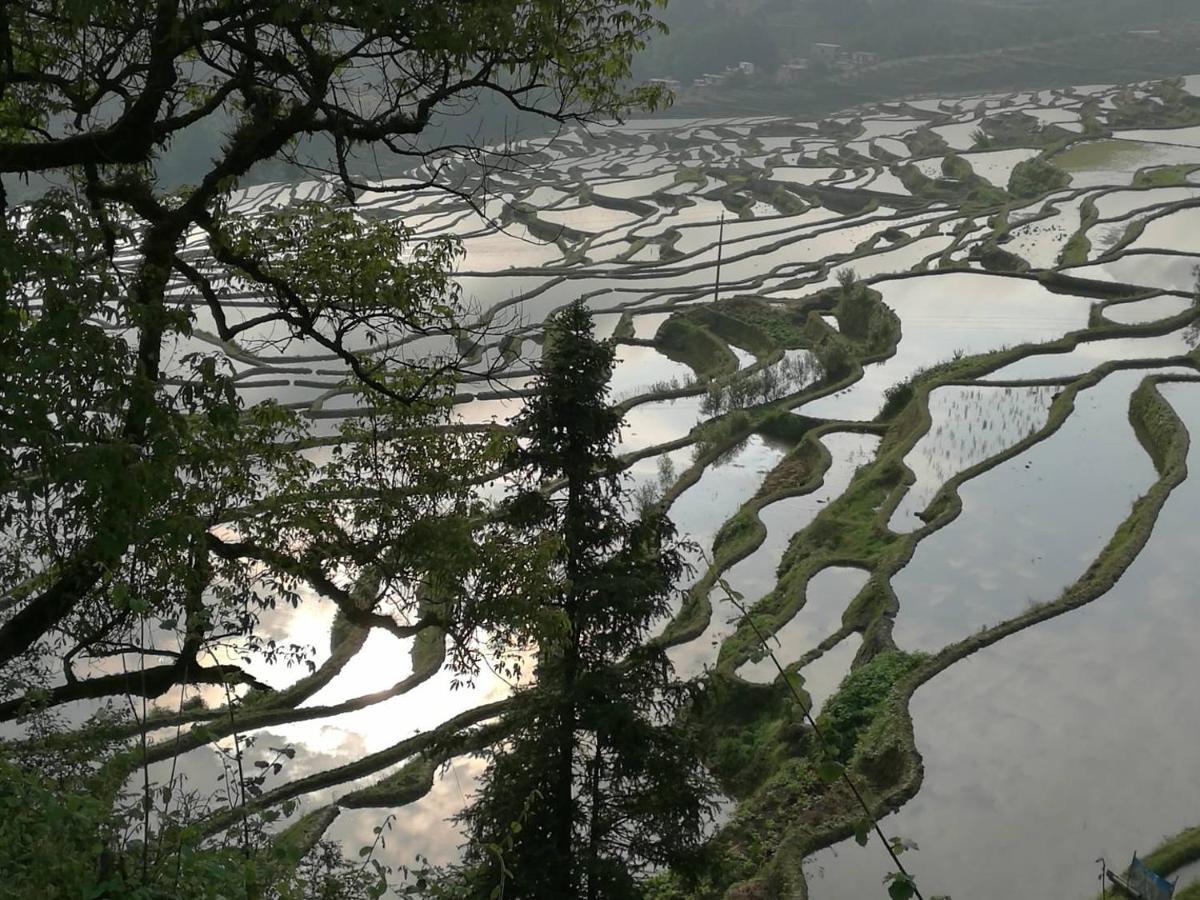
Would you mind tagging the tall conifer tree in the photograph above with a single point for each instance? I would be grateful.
(598, 776)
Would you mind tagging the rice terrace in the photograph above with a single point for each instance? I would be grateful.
(916, 382)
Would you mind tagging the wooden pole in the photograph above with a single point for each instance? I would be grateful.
(720, 246)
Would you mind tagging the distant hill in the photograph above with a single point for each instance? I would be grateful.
(923, 46)
(712, 33)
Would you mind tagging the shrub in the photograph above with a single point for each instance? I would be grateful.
(896, 398)
(1035, 177)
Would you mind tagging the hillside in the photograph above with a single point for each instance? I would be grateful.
(944, 46)
(705, 33)
(1113, 57)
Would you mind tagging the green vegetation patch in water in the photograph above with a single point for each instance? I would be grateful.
(1107, 154)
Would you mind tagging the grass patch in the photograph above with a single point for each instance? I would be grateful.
(732, 329)
(790, 812)
(997, 259)
(1155, 424)
(925, 142)
(742, 528)
(799, 466)
(1175, 852)
(747, 727)
(625, 328)
(792, 800)
(684, 340)
(1164, 176)
(1104, 154)
(856, 705)
(1075, 253)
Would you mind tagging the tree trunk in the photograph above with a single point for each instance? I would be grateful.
(593, 855)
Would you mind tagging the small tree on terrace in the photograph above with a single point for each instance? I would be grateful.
(854, 305)
(603, 780)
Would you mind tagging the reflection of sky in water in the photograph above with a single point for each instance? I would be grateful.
(649, 473)
(887, 262)
(841, 241)
(701, 210)
(593, 219)
(604, 324)
(754, 576)
(1054, 116)
(997, 165)
(638, 368)
(877, 128)
(1121, 203)
(487, 290)
(726, 484)
(425, 706)
(1113, 162)
(824, 675)
(1150, 310)
(1089, 354)
(480, 412)
(628, 188)
(511, 248)
(1176, 231)
(1184, 137)
(801, 174)
(658, 422)
(745, 359)
(646, 326)
(1009, 517)
(1029, 526)
(887, 183)
(930, 168)
(941, 314)
(419, 828)
(1189, 874)
(307, 626)
(968, 425)
(1071, 740)
(960, 136)
(1040, 243)
(827, 595)
(335, 740)
(1170, 273)
(701, 510)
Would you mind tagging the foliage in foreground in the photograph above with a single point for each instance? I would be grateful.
(152, 522)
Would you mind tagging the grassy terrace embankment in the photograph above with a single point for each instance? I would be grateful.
(763, 757)
(884, 757)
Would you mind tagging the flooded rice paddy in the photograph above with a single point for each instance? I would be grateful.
(1036, 749)
(1066, 740)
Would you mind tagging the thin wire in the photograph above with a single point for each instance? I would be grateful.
(821, 737)
(458, 782)
(791, 687)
